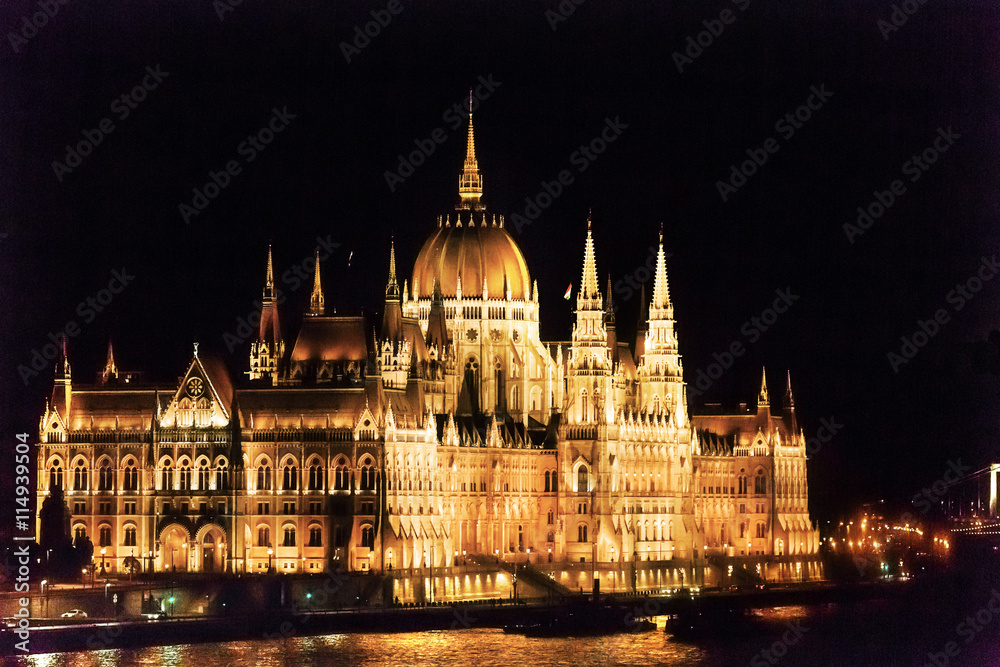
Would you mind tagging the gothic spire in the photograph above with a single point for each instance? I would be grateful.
(789, 399)
(316, 300)
(470, 183)
(588, 284)
(762, 399)
(269, 281)
(110, 369)
(609, 308)
(661, 290)
(392, 286)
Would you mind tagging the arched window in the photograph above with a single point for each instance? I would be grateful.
(743, 484)
(290, 478)
(79, 534)
(548, 486)
(203, 476)
(315, 536)
(129, 536)
(368, 536)
(500, 386)
(551, 519)
(367, 476)
(289, 537)
(105, 478)
(56, 476)
(670, 531)
(760, 483)
(315, 478)
(167, 478)
(263, 536)
(131, 481)
(581, 533)
(472, 382)
(582, 479)
(263, 478)
(550, 537)
(760, 529)
(341, 478)
(515, 401)
(742, 530)
(80, 477)
(221, 478)
(184, 478)
(105, 533)
(583, 411)
(204, 414)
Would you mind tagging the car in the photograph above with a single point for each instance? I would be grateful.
(75, 613)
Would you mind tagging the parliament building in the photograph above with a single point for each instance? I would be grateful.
(450, 432)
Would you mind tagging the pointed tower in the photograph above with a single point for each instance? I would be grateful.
(789, 405)
(470, 183)
(110, 372)
(763, 403)
(589, 366)
(267, 351)
(643, 325)
(609, 323)
(62, 389)
(317, 304)
(661, 383)
(392, 320)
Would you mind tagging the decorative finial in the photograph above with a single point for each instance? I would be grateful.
(196, 348)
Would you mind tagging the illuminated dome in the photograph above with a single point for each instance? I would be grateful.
(474, 252)
(474, 248)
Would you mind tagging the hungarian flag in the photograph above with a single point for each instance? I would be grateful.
(569, 290)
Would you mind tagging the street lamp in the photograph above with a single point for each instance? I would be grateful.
(45, 597)
(270, 552)
(104, 550)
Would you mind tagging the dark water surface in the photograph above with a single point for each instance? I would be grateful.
(898, 632)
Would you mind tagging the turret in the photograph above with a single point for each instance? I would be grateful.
(110, 372)
(62, 390)
(392, 319)
(266, 352)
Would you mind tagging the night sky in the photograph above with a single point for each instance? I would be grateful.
(224, 72)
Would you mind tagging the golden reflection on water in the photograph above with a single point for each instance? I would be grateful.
(478, 647)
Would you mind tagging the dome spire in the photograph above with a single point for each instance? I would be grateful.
(661, 289)
(470, 183)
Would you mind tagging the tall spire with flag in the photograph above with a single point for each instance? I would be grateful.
(470, 183)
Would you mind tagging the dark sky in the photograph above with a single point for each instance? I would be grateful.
(888, 95)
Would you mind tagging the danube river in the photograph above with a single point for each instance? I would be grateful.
(907, 631)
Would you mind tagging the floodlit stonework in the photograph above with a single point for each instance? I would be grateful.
(452, 431)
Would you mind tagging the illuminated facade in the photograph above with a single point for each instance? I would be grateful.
(453, 431)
